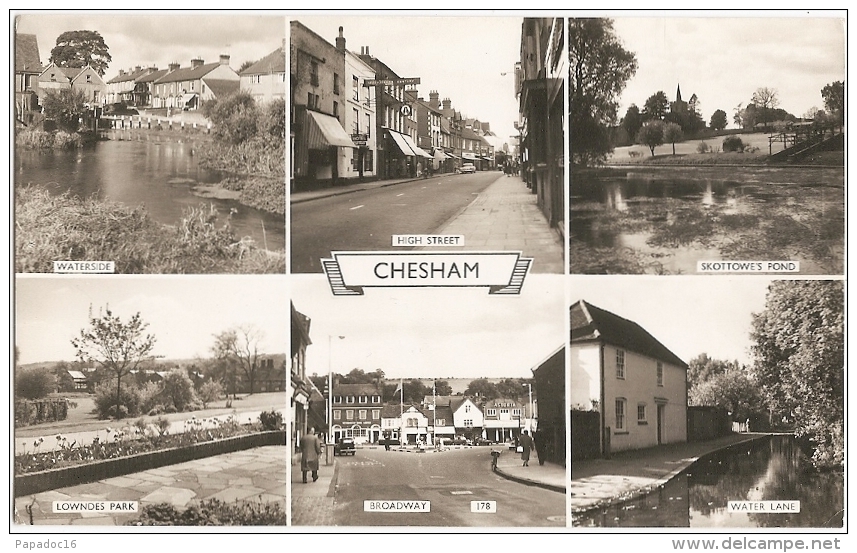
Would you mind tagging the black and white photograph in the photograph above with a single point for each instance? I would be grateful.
(707, 139)
(149, 143)
(428, 407)
(430, 132)
(707, 402)
(148, 401)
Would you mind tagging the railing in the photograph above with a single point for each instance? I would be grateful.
(150, 122)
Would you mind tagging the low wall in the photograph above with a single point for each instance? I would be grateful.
(585, 435)
(36, 482)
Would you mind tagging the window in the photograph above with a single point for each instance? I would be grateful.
(336, 109)
(202, 88)
(468, 423)
(362, 414)
(349, 414)
(660, 374)
(516, 412)
(641, 413)
(376, 399)
(337, 414)
(355, 121)
(413, 423)
(368, 125)
(466, 408)
(355, 88)
(376, 413)
(620, 363)
(504, 411)
(89, 78)
(368, 166)
(620, 413)
(313, 73)
(364, 399)
(337, 399)
(491, 412)
(335, 83)
(349, 399)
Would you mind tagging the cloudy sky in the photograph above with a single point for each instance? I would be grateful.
(464, 58)
(433, 332)
(689, 315)
(183, 313)
(158, 39)
(723, 60)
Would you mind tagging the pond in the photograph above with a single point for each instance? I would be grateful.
(664, 220)
(162, 175)
(771, 468)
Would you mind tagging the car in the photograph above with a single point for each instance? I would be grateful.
(345, 446)
(468, 168)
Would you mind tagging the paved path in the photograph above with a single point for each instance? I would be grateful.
(252, 475)
(313, 503)
(549, 475)
(600, 482)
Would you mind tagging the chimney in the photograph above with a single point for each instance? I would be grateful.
(447, 103)
(434, 99)
(224, 59)
(121, 72)
(174, 66)
(194, 63)
(340, 41)
(137, 69)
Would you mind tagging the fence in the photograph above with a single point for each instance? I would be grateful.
(706, 423)
(585, 435)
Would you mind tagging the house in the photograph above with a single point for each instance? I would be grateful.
(503, 419)
(144, 87)
(265, 80)
(84, 79)
(637, 384)
(407, 423)
(27, 71)
(549, 388)
(356, 412)
(359, 118)
(187, 88)
(80, 380)
(467, 417)
(123, 87)
(301, 387)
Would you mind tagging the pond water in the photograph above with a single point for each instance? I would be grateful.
(772, 468)
(159, 174)
(665, 220)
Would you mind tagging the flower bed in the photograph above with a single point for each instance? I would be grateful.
(213, 512)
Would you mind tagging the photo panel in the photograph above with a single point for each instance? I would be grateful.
(397, 147)
(707, 403)
(718, 148)
(149, 401)
(149, 143)
(428, 407)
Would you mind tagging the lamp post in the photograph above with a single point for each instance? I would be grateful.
(329, 413)
(530, 387)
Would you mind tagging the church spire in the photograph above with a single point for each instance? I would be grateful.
(678, 93)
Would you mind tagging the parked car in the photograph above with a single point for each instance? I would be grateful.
(461, 440)
(468, 168)
(344, 446)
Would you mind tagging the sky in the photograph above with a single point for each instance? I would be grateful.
(723, 60)
(689, 315)
(183, 313)
(158, 39)
(468, 59)
(433, 332)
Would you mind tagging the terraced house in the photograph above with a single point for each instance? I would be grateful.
(637, 385)
(356, 412)
(189, 87)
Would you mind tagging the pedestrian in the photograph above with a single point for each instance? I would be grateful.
(526, 444)
(310, 450)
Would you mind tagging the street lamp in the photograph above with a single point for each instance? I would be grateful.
(329, 413)
(530, 387)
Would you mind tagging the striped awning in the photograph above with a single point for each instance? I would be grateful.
(399, 139)
(468, 155)
(417, 150)
(324, 131)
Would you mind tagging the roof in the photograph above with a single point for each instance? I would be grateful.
(222, 87)
(27, 54)
(77, 375)
(355, 390)
(151, 77)
(589, 323)
(502, 401)
(189, 73)
(131, 75)
(444, 413)
(275, 62)
(394, 411)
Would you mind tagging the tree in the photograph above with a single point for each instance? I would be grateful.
(651, 135)
(240, 346)
(765, 99)
(235, 117)
(512, 388)
(483, 388)
(34, 383)
(738, 116)
(177, 387)
(246, 65)
(81, 48)
(65, 107)
(116, 346)
(655, 108)
(632, 121)
(733, 390)
(600, 67)
(442, 388)
(672, 134)
(799, 355)
(834, 100)
(718, 120)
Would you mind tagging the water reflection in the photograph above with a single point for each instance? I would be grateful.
(156, 174)
(767, 469)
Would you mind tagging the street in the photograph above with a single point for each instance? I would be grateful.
(450, 480)
(366, 220)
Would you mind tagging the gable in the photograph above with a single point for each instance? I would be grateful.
(27, 54)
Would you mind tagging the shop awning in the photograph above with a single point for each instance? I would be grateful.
(187, 98)
(324, 130)
(399, 139)
(417, 150)
(468, 155)
(439, 155)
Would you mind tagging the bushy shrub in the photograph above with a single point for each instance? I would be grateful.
(150, 395)
(272, 119)
(106, 404)
(178, 390)
(67, 141)
(213, 512)
(271, 420)
(733, 144)
(703, 148)
(210, 391)
(34, 383)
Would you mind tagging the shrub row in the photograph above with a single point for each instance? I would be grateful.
(29, 412)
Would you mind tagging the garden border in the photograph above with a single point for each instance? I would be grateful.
(37, 482)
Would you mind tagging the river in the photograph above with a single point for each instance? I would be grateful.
(147, 171)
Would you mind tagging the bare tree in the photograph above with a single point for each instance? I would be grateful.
(240, 346)
(766, 100)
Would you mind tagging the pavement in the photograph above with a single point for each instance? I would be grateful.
(597, 483)
(313, 502)
(504, 217)
(257, 474)
(549, 475)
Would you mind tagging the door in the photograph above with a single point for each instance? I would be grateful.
(661, 424)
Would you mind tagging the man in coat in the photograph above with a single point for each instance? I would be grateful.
(310, 450)
(526, 444)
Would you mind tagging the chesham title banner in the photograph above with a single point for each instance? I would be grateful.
(502, 273)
